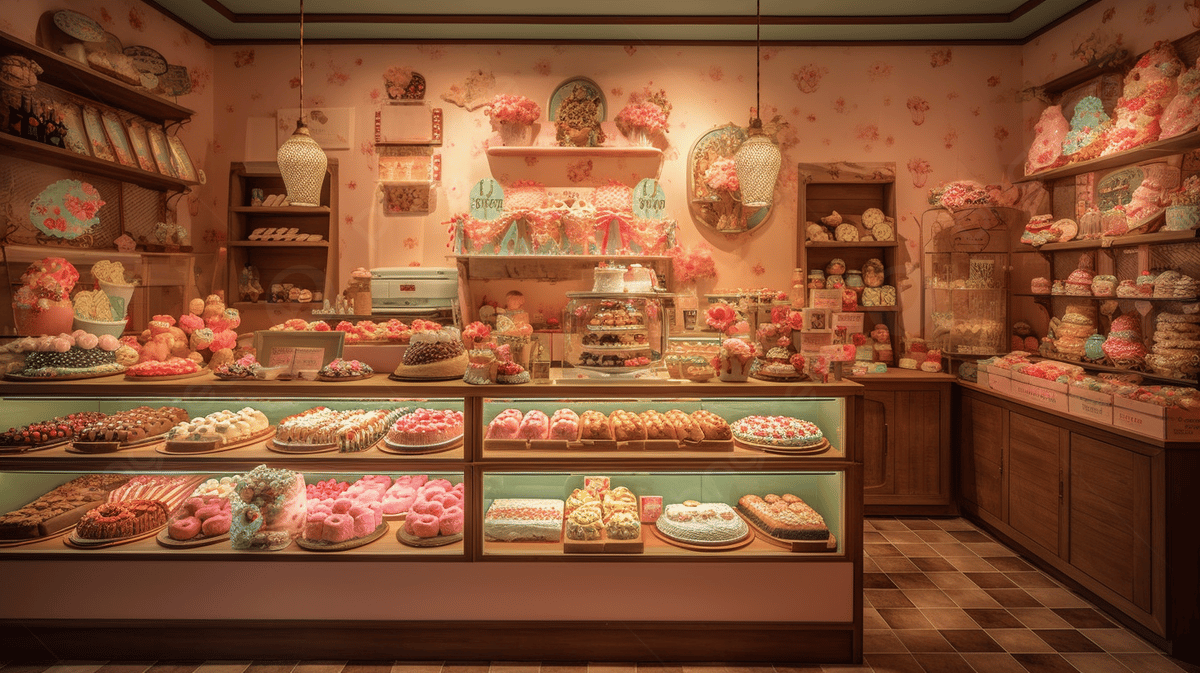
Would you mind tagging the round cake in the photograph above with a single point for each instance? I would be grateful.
(426, 427)
(777, 431)
(121, 519)
(713, 523)
(438, 354)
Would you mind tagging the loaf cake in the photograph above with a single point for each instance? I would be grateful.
(626, 426)
(656, 425)
(523, 520)
(60, 508)
(787, 516)
(594, 425)
(713, 426)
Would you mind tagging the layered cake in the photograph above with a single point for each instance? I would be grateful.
(713, 426)
(75, 354)
(200, 517)
(437, 510)
(60, 508)
(1176, 343)
(426, 427)
(436, 354)
(1149, 85)
(1085, 140)
(268, 509)
(787, 517)
(777, 431)
(1124, 344)
(123, 519)
(223, 427)
(1077, 324)
(350, 429)
(133, 425)
(46, 432)
(710, 524)
(523, 520)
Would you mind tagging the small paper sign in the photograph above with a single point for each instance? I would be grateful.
(812, 342)
(296, 360)
(852, 321)
(649, 200)
(486, 200)
(830, 299)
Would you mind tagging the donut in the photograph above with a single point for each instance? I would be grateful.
(451, 499)
(423, 525)
(208, 511)
(364, 521)
(431, 507)
(184, 529)
(216, 525)
(337, 528)
(451, 522)
(342, 505)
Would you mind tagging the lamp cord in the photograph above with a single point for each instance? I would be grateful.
(757, 58)
(301, 60)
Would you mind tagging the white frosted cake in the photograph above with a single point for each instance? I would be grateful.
(523, 520)
(710, 523)
(224, 427)
(777, 431)
(608, 279)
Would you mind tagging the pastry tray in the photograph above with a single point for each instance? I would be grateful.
(404, 450)
(589, 445)
(168, 377)
(414, 541)
(340, 379)
(13, 376)
(30, 448)
(112, 447)
(190, 448)
(604, 545)
(803, 546)
(316, 545)
(164, 540)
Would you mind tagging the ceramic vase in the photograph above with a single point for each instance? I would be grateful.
(516, 135)
(56, 319)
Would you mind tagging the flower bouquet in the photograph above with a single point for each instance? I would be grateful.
(642, 122)
(513, 118)
(722, 181)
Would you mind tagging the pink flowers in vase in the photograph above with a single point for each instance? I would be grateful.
(513, 109)
(722, 175)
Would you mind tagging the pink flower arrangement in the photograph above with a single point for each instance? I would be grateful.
(513, 109)
(649, 118)
(721, 317)
(476, 332)
(691, 265)
(722, 175)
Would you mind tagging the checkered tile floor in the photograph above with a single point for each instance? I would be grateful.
(940, 596)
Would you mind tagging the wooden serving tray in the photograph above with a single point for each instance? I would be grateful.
(801, 546)
(272, 445)
(403, 450)
(339, 379)
(13, 376)
(73, 540)
(29, 448)
(316, 545)
(169, 377)
(165, 540)
(787, 451)
(111, 447)
(191, 448)
(414, 541)
(698, 547)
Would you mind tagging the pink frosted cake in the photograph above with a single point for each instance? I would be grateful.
(337, 512)
(777, 431)
(523, 520)
(564, 425)
(268, 509)
(403, 493)
(505, 425)
(426, 427)
(535, 425)
(437, 510)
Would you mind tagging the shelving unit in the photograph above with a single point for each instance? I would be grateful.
(66, 159)
(311, 265)
(551, 165)
(695, 627)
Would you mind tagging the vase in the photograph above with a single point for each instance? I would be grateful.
(515, 135)
(57, 318)
(639, 137)
(734, 369)
(1182, 218)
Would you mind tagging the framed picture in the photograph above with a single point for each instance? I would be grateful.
(141, 146)
(408, 122)
(160, 151)
(406, 199)
(817, 320)
(331, 127)
(74, 133)
(297, 351)
(97, 139)
(116, 137)
(180, 161)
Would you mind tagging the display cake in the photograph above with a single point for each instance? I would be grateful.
(1183, 112)
(705, 524)
(1149, 85)
(127, 518)
(1046, 152)
(426, 427)
(60, 508)
(524, 520)
(351, 430)
(786, 517)
(437, 510)
(222, 427)
(434, 355)
(777, 431)
(268, 509)
(1085, 140)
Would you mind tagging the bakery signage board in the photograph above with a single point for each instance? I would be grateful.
(486, 200)
(297, 351)
(649, 200)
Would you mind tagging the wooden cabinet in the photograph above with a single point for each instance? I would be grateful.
(1107, 512)
(906, 447)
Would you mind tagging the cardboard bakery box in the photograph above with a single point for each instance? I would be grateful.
(999, 379)
(1025, 390)
(1171, 424)
(982, 377)
(1040, 382)
(1091, 405)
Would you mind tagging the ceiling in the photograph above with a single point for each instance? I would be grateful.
(623, 21)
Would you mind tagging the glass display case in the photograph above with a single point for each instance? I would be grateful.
(614, 334)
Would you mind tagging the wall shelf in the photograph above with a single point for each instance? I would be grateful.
(589, 166)
(1154, 150)
(66, 159)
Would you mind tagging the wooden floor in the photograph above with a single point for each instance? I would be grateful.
(941, 596)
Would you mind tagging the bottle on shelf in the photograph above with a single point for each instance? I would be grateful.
(798, 288)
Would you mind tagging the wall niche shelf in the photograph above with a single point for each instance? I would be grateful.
(551, 165)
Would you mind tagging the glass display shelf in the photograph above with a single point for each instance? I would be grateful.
(823, 491)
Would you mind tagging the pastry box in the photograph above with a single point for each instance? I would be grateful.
(999, 379)
(1026, 390)
(1171, 424)
(1094, 406)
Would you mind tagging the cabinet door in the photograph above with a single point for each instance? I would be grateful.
(1034, 480)
(916, 436)
(1110, 517)
(982, 456)
(878, 456)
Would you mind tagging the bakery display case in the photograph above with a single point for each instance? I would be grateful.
(614, 334)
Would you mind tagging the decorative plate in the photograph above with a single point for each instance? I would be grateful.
(141, 146)
(78, 26)
(710, 207)
(116, 136)
(180, 161)
(175, 81)
(564, 90)
(97, 138)
(74, 134)
(66, 209)
(146, 59)
(110, 45)
(160, 150)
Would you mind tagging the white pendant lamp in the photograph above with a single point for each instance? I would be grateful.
(301, 160)
(758, 159)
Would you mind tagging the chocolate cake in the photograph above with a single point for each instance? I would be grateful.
(121, 519)
(60, 508)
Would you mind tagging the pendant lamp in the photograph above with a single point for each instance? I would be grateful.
(301, 160)
(758, 159)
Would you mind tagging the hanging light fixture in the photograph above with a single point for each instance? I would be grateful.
(758, 159)
(302, 163)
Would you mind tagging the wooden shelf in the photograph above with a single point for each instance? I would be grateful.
(278, 244)
(575, 152)
(79, 79)
(283, 210)
(1154, 150)
(242, 305)
(1157, 238)
(66, 159)
(850, 244)
(551, 165)
(1092, 366)
(1042, 295)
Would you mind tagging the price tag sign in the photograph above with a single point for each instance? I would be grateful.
(649, 200)
(486, 200)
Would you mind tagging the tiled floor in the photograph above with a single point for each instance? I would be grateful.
(940, 596)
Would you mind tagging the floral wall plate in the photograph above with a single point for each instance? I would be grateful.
(78, 26)
(719, 209)
(141, 147)
(116, 137)
(66, 209)
(74, 134)
(97, 138)
(180, 161)
(146, 59)
(565, 89)
(160, 151)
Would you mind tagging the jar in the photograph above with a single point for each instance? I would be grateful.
(816, 279)
(854, 281)
(836, 266)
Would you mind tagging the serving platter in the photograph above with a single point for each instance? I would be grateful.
(112, 447)
(405, 450)
(414, 541)
(730, 546)
(317, 545)
(73, 540)
(164, 539)
(175, 447)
